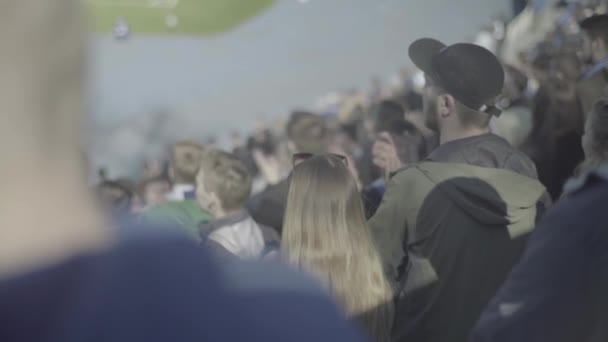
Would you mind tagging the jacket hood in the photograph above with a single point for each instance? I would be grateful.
(493, 197)
(240, 235)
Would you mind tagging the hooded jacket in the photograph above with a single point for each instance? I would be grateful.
(449, 233)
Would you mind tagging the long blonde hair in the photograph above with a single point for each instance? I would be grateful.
(325, 233)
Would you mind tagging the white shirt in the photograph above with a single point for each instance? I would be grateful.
(178, 192)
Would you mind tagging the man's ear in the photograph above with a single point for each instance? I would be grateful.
(445, 105)
(216, 203)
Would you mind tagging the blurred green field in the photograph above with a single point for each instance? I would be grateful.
(174, 17)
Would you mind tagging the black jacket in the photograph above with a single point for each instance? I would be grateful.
(268, 207)
(488, 150)
(450, 229)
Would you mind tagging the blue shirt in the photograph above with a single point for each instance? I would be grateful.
(156, 288)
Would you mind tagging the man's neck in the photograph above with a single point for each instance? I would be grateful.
(222, 214)
(448, 136)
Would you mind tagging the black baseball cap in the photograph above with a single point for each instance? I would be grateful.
(470, 73)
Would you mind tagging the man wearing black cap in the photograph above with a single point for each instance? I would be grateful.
(594, 82)
(449, 229)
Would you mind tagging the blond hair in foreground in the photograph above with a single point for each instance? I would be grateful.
(325, 232)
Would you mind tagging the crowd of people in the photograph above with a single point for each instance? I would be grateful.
(465, 204)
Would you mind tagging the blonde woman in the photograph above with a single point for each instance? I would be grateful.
(325, 233)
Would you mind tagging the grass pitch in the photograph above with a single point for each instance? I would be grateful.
(173, 17)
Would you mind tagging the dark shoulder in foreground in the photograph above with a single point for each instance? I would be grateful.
(562, 278)
(586, 181)
(158, 289)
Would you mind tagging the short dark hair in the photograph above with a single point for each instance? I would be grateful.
(186, 166)
(307, 131)
(113, 194)
(263, 141)
(469, 117)
(388, 112)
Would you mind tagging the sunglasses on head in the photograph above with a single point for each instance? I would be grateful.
(298, 158)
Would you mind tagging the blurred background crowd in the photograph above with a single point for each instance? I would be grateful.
(548, 59)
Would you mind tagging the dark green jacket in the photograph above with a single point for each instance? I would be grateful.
(463, 228)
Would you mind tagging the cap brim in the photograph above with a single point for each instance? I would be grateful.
(422, 52)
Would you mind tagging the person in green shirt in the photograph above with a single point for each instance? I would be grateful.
(186, 215)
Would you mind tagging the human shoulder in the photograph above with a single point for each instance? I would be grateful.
(521, 163)
(416, 180)
(586, 181)
(407, 173)
(422, 170)
(178, 210)
(186, 215)
(583, 202)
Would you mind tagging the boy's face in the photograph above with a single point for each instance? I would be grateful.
(207, 200)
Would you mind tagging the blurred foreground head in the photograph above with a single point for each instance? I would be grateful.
(46, 211)
(42, 64)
